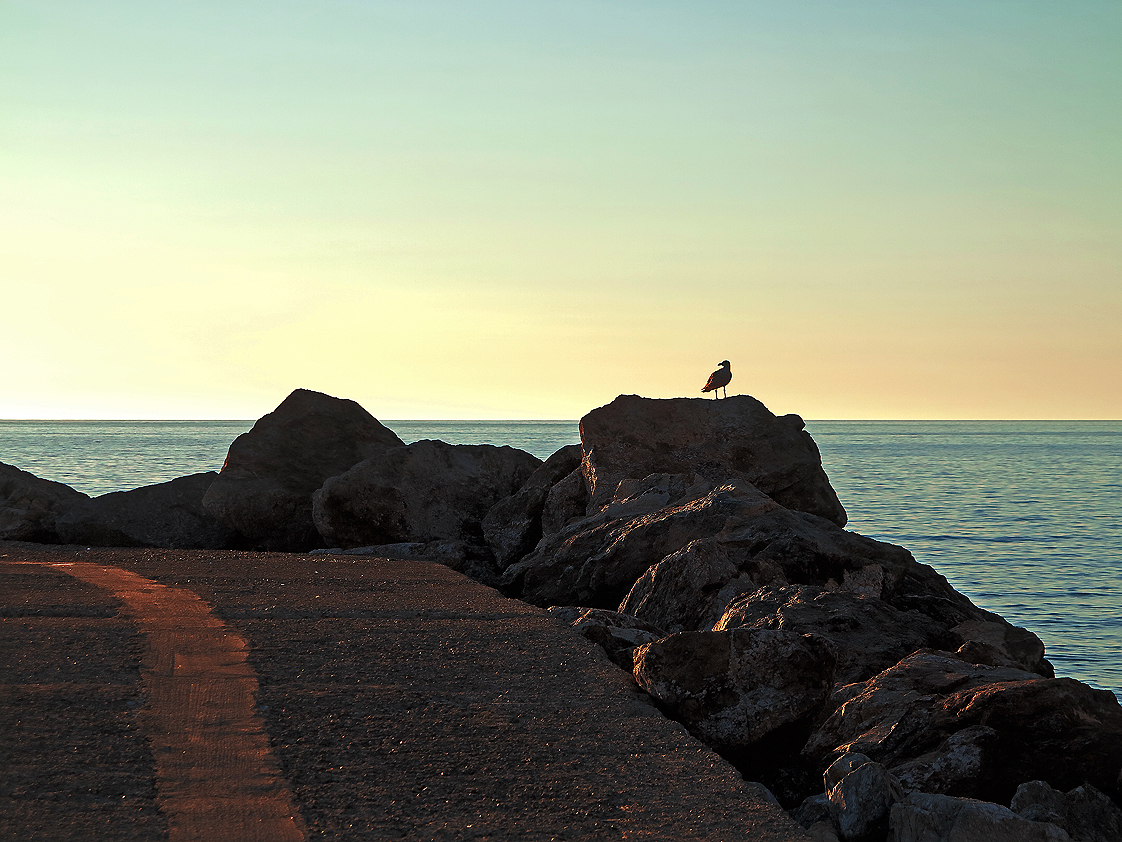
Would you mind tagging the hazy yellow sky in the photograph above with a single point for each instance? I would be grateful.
(520, 210)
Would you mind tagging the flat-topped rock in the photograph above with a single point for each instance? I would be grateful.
(737, 438)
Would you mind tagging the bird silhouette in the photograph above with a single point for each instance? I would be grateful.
(719, 379)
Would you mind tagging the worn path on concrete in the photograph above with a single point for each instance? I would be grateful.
(399, 700)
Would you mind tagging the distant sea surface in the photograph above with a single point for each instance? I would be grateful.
(1024, 517)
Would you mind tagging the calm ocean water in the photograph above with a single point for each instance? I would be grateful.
(1023, 517)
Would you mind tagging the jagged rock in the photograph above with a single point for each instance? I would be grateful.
(922, 817)
(868, 633)
(595, 561)
(1085, 813)
(952, 765)
(872, 598)
(861, 797)
(733, 688)
(617, 634)
(993, 640)
(513, 526)
(690, 588)
(169, 514)
(265, 488)
(425, 491)
(1057, 730)
(30, 506)
(633, 437)
(565, 503)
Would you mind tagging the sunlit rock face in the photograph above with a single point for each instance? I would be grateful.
(30, 506)
(265, 488)
(932, 714)
(738, 438)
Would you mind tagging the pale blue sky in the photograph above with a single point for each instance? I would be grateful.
(874, 210)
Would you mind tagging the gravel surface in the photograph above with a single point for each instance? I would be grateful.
(402, 701)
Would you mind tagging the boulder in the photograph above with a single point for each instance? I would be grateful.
(990, 639)
(265, 488)
(617, 634)
(923, 817)
(513, 526)
(1024, 727)
(425, 491)
(719, 441)
(565, 503)
(954, 761)
(595, 561)
(868, 634)
(733, 688)
(1085, 813)
(30, 506)
(861, 798)
(871, 598)
(169, 514)
(689, 589)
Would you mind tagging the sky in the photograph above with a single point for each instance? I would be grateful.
(520, 210)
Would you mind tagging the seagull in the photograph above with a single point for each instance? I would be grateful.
(719, 379)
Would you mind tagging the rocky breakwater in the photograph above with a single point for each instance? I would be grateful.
(317, 472)
(701, 544)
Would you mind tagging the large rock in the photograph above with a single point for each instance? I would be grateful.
(1012, 726)
(943, 769)
(690, 589)
(595, 561)
(923, 817)
(1085, 813)
(169, 514)
(737, 438)
(774, 568)
(565, 503)
(513, 526)
(426, 491)
(868, 634)
(30, 506)
(733, 688)
(265, 488)
(861, 797)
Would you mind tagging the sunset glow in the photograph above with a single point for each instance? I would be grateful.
(511, 210)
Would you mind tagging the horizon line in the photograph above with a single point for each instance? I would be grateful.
(546, 420)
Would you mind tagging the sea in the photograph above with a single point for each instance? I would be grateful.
(1024, 517)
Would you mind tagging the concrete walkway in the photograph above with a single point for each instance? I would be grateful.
(394, 700)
